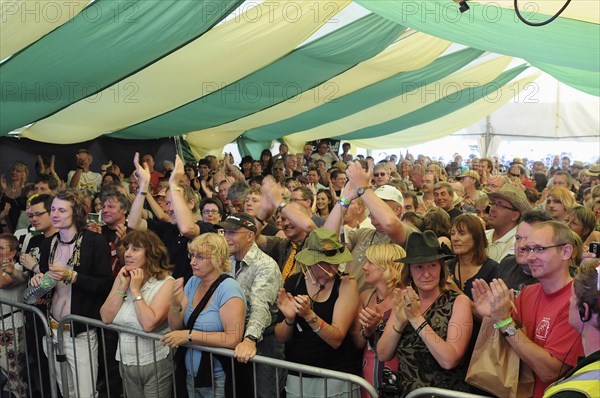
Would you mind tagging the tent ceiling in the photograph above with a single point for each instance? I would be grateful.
(297, 70)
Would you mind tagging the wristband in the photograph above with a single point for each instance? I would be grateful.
(36, 265)
(142, 193)
(343, 204)
(175, 188)
(344, 201)
(505, 322)
(318, 330)
(286, 322)
(176, 309)
(421, 327)
(121, 294)
(396, 330)
(190, 336)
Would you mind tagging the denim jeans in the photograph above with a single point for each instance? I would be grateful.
(206, 392)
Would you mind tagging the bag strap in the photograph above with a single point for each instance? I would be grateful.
(204, 300)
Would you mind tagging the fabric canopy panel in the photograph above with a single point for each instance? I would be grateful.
(453, 101)
(409, 100)
(412, 52)
(302, 69)
(23, 22)
(85, 56)
(498, 30)
(362, 99)
(221, 56)
(443, 126)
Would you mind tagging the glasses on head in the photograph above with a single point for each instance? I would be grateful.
(538, 249)
(500, 205)
(37, 214)
(198, 256)
(208, 211)
(379, 174)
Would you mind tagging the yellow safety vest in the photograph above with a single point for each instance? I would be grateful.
(584, 381)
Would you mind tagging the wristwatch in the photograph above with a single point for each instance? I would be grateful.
(281, 205)
(137, 298)
(360, 191)
(312, 320)
(252, 338)
(510, 330)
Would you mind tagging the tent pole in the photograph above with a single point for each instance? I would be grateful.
(178, 147)
(488, 135)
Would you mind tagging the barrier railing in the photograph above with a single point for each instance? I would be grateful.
(441, 393)
(68, 323)
(22, 329)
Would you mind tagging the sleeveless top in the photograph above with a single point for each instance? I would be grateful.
(416, 365)
(307, 347)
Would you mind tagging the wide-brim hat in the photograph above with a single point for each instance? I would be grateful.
(423, 248)
(238, 220)
(594, 170)
(513, 195)
(469, 173)
(323, 245)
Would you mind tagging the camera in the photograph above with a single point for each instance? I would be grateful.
(595, 248)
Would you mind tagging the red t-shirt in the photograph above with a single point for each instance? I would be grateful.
(546, 321)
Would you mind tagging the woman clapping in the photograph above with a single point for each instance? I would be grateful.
(430, 327)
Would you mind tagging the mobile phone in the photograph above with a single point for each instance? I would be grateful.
(94, 218)
(595, 248)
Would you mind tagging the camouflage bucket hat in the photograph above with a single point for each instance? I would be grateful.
(323, 245)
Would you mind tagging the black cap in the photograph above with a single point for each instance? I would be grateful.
(237, 221)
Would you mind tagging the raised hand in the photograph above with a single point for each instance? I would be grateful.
(481, 298)
(286, 304)
(178, 291)
(177, 173)
(412, 303)
(123, 279)
(142, 171)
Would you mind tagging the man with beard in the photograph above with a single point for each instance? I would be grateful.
(294, 222)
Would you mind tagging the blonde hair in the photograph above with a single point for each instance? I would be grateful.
(215, 245)
(564, 195)
(382, 256)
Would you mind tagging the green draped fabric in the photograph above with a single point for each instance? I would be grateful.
(437, 109)
(304, 68)
(367, 97)
(110, 40)
(557, 47)
(252, 148)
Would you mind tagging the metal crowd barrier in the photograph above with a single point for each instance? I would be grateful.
(441, 393)
(22, 362)
(352, 381)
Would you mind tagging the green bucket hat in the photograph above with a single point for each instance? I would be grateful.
(323, 245)
(423, 248)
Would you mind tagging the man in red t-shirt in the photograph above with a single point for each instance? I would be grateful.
(539, 329)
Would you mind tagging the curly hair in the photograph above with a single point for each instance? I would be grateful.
(77, 200)
(383, 256)
(216, 246)
(157, 257)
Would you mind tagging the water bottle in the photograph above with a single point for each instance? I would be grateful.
(33, 293)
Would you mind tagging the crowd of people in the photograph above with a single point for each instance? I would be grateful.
(382, 268)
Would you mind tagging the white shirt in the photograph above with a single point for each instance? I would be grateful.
(503, 246)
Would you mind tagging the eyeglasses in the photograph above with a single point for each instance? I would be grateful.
(207, 211)
(37, 214)
(199, 257)
(379, 174)
(538, 249)
(500, 205)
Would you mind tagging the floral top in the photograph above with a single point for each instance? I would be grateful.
(416, 365)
